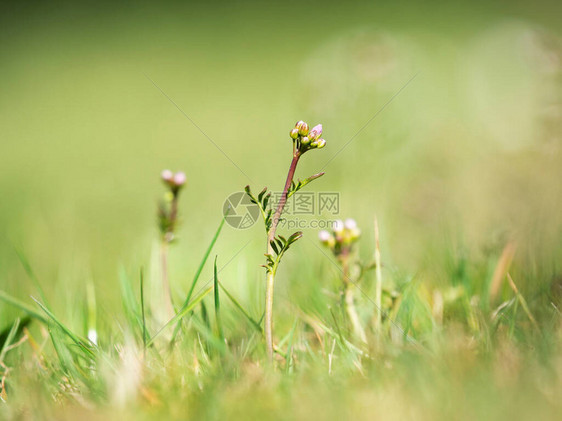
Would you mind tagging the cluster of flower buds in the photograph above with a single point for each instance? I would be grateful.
(306, 138)
(174, 181)
(342, 236)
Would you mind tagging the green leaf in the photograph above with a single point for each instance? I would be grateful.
(295, 187)
(261, 194)
(295, 237)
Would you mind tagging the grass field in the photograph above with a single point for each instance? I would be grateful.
(443, 122)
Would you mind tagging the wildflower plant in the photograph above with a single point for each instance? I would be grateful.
(341, 241)
(167, 222)
(304, 140)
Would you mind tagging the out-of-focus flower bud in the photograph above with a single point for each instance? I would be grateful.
(305, 141)
(167, 176)
(179, 179)
(350, 224)
(294, 133)
(315, 132)
(338, 226)
(354, 234)
(326, 238)
(321, 143)
(303, 129)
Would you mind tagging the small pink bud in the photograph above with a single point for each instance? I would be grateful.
(305, 141)
(324, 236)
(179, 179)
(167, 175)
(294, 133)
(350, 224)
(338, 226)
(321, 143)
(315, 132)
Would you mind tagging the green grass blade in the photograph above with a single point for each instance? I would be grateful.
(81, 342)
(181, 313)
(198, 274)
(289, 360)
(91, 317)
(211, 340)
(9, 339)
(29, 270)
(202, 264)
(144, 334)
(217, 303)
(129, 301)
(255, 324)
(22, 306)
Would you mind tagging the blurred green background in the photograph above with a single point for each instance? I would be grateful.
(465, 157)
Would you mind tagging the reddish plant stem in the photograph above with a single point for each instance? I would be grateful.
(270, 274)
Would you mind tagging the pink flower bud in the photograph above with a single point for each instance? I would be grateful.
(324, 236)
(321, 143)
(350, 224)
(338, 226)
(179, 179)
(294, 133)
(316, 132)
(167, 175)
(305, 141)
(327, 239)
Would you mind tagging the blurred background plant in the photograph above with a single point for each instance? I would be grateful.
(167, 222)
(340, 241)
(445, 121)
